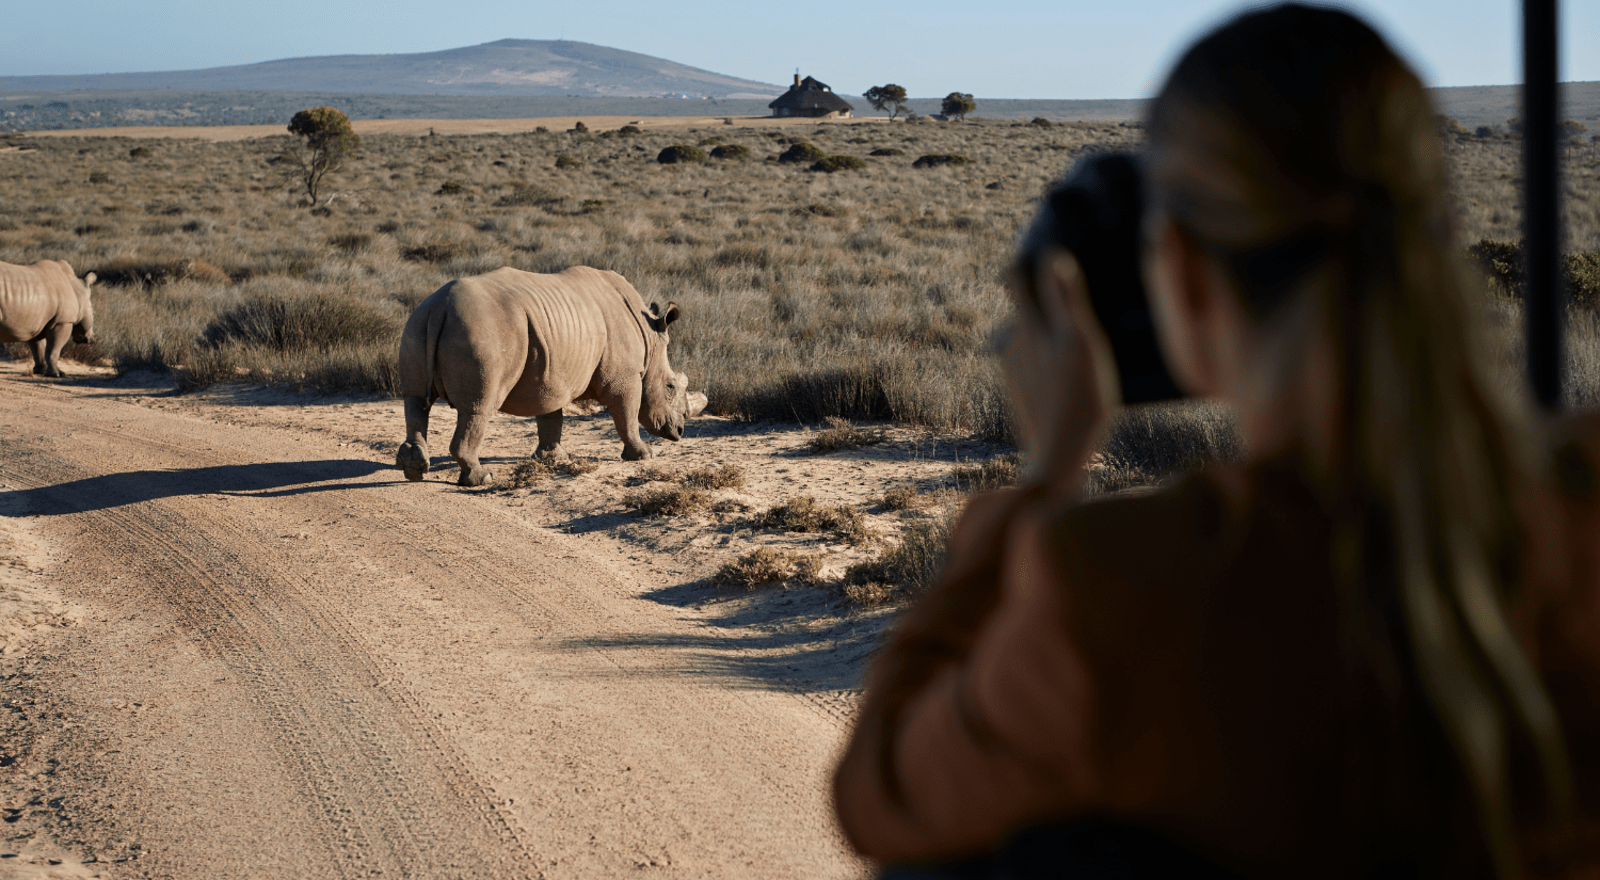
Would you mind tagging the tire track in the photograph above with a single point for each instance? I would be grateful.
(311, 674)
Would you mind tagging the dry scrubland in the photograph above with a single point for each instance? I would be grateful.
(869, 293)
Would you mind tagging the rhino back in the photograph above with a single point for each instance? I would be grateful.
(32, 298)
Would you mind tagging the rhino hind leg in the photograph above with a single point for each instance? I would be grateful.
(412, 456)
(549, 437)
(470, 427)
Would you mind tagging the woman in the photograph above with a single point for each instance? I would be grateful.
(1373, 646)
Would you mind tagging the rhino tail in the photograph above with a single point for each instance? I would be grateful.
(436, 320)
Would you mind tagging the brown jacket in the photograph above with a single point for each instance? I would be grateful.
(1173, 660)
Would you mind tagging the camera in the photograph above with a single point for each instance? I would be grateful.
(1096, 212)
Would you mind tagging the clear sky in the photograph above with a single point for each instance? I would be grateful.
(996, 49)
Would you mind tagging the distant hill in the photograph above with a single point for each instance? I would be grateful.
(534, 68)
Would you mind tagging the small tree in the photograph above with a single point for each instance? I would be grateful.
(958, 104)
(890, 97)
(328, 140)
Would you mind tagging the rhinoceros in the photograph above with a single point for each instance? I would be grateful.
(528, 344)
(42, 305)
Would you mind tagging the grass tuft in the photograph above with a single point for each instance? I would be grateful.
(769, 565)
(668, 501)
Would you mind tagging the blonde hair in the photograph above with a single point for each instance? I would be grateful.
(1302, 154)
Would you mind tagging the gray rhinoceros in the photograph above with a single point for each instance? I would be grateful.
(529, 344)
(42, 305)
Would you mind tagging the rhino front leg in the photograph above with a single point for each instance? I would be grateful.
(549, 436)
(37, 347)
(470, 427)
(413, 454)
(625, 415)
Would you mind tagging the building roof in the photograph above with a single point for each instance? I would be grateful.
(810, 95)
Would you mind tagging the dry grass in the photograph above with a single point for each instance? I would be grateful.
(910, 567)
(668, 501)
(870, 294)
(805, 514)
(769, 565)
(841, 435)
(534, 470)
(986, 476)
(726, 476)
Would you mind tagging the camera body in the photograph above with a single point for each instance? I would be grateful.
(1097, 212)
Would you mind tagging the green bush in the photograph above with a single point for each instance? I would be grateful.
(139, 152)
(681, 153)
(630, 130)
(1449, 126)
(578, 127)
(802, 152)
(569, 162)
(450, 188)
(1501, 263)
(831, 164)
(731, 151)
(935, 160)
(887, 151)
(99, 177)
(1041, 122)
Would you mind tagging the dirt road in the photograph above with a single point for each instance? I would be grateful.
(288, 662)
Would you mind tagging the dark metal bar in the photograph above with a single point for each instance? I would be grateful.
(1545, 306)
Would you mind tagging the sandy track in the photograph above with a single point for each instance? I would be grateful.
(292, 663)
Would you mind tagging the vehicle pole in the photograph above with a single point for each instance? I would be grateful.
(1544, 307)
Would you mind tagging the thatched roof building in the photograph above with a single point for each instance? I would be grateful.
(808, 97)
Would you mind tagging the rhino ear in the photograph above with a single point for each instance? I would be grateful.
(671, 314)
(88, 279)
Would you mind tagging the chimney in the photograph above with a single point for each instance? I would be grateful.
(797, 79)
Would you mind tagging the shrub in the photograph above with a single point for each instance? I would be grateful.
(1501, 263)
(149, 273)
(450, 188)
(569, 162)
(911, 566)
(1041, 122)
(305, 322)
(934, 160)
(985, 476)
(99, 177)
(831, 164)
(801, 152)
(768, 565)
(1571, 128)
(900, 498)
(525, 196)
(1486, 131)
(578, 127)
(630, 130)
(840, 434)
(681, 153)
(350, 242)
(887, 151)
(139, 152)
(668, 501)
(803, 514)
(727, 476)
(1449, 126)
(435, 252)
(731, 151)
(526, 473)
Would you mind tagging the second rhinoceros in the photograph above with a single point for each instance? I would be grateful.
(528, 344)
(43, 305)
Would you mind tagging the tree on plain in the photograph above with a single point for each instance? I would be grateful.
(958, 104)
(328, 139)
(890, 97)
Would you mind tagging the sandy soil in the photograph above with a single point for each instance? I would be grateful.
(448, 126)
(236, 643)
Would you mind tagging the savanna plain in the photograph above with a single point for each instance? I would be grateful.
(582, 667)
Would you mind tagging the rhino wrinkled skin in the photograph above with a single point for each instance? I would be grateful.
(43, 305)
(528, 344)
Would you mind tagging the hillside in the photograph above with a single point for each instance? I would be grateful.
(503, 68)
